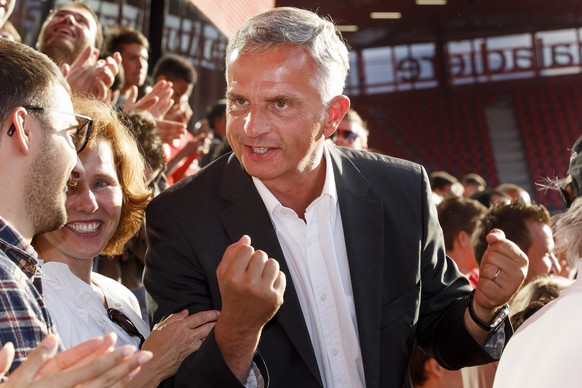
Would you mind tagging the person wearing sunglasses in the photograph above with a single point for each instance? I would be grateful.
(352, 132)
(104, 210)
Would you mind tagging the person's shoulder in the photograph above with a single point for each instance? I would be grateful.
(208, 177)
(7, 266)
(17, 289)
(10, 273)
(387, 176)
(109, 284)
(116, 291)
(374, 160)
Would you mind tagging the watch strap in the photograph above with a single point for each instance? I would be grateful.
(497, 320)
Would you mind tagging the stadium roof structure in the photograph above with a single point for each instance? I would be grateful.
(411, 21)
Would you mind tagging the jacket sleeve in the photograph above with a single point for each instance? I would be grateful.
(442, 332)
(175, 279)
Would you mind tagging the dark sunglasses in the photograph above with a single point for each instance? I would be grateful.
(82, 129)
(119, 318)
(346, 135)
(568, 195)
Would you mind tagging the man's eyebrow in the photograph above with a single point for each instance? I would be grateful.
(281, 97)
(233, 96)
(274, 98)
(106, 175)
(65, 12)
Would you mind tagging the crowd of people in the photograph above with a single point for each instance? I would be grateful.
(270, 247)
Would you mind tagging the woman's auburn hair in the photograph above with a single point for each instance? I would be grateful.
(108, 126)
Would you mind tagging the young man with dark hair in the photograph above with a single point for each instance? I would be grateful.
(528, 226)
(181, 153)
(133, 47)
(40, 136)
(444, 185)
(458, 217)
(183, 76)
(473, 183)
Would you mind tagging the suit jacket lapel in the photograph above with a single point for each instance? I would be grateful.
(363, 216)
(248, 215)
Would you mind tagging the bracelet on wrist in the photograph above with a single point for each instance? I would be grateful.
(497, 320)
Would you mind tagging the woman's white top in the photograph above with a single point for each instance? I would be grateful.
(546, 350)
(77, 309)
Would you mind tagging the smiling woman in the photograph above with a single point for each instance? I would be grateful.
(104, 210)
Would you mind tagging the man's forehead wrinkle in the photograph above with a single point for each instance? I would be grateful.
(264, 89)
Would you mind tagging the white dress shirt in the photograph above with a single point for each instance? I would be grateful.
(77, 310)
(315, 252)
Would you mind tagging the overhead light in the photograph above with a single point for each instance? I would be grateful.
(385, 15)
(431, 2)
(347, 28)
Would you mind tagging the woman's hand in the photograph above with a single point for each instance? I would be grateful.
(171, 341)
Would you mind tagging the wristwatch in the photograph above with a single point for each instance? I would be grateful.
(495, 322)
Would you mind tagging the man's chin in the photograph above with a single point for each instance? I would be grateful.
(60, 50)
(57, 222)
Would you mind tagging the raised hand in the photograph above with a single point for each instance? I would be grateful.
(171, 341)
(92, 363)
(251, 288)
(170, 130)
(501, 273)
(158, 101)
(89, 75)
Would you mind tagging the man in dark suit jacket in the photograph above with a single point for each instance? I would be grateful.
(404, 289)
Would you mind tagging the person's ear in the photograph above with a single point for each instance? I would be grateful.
(336, 110)
(464, 239)
(432, 368)
(18, 130)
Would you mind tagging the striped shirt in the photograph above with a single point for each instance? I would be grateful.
(24, 319)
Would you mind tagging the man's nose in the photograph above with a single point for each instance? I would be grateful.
(256, 121)
(69, 19)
